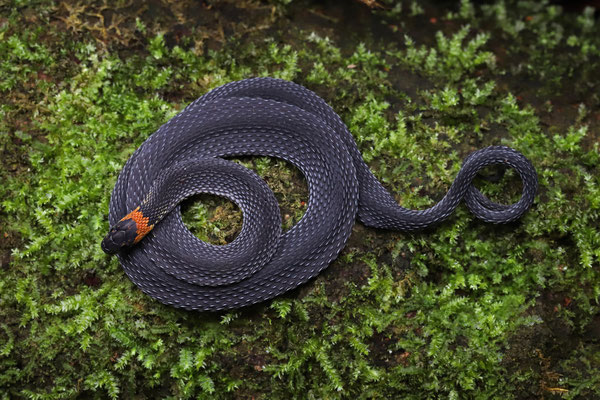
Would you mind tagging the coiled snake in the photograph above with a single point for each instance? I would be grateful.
(276, 118)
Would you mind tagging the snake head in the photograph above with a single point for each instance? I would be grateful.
(122, 234)
(128, 231)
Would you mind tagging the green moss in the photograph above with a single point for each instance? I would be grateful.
(444, 313)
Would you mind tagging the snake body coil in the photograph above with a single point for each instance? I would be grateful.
(276, 118)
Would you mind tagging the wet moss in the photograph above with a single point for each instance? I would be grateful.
(462, 310)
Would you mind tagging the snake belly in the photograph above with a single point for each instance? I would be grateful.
(275, 118)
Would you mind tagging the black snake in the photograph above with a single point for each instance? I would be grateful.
(276, 118)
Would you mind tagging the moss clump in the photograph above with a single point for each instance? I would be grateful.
(465, 310)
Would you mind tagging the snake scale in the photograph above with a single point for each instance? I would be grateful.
(275, 118)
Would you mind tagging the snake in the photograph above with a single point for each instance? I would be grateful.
(191, 154)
